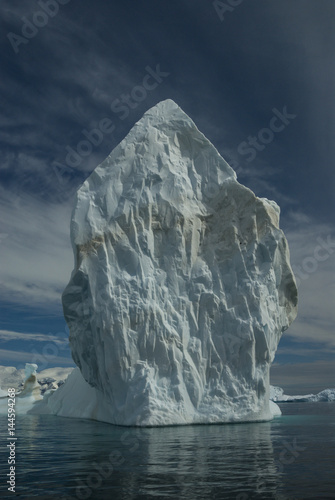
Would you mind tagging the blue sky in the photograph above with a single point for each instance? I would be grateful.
(257, 78)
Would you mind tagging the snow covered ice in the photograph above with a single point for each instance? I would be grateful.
(181, 287)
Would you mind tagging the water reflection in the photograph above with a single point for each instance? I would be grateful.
(217, 461)
(80, 459)
(63, 458)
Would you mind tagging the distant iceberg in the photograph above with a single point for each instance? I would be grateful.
(29, 385)
(28, 396)
(277, 395)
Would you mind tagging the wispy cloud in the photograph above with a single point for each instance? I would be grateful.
(298, 349)
(7, 336)
(36, 255)
(19, 358)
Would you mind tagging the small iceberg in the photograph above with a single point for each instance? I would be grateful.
(277, 395)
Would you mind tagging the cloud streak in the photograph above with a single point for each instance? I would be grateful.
(19, 358)
(7, 336)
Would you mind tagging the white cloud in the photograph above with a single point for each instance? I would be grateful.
(297, 348)
(7, 336)
(36, 255)
(19, 358)
(299, 218)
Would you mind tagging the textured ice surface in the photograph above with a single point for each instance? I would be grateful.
(181, 286)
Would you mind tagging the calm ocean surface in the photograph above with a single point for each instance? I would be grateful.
(292, 457)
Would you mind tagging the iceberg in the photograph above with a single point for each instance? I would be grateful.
(277, 395)
(48, 379)
(181, 288)
(28, 396)
(29, 385)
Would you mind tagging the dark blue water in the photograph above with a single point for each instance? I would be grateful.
(292, 457)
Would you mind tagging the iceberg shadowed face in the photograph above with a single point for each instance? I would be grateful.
(180, 293)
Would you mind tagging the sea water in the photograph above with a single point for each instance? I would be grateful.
(292, 457)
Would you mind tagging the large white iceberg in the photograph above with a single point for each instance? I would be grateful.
(181, 288)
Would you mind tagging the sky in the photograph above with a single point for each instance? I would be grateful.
(257, 78)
